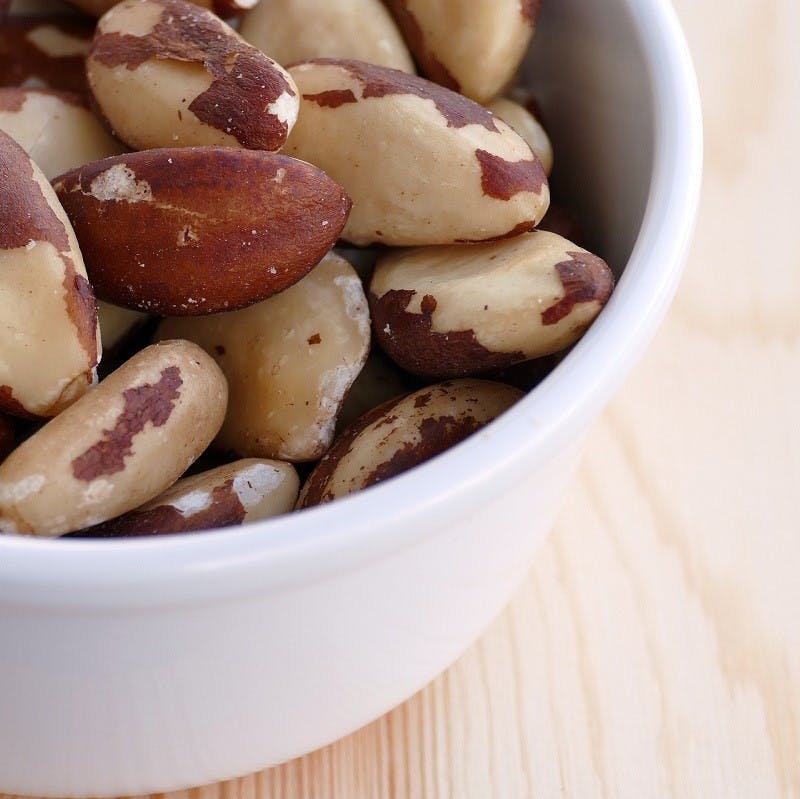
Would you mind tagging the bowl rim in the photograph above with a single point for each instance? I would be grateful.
(328, 540)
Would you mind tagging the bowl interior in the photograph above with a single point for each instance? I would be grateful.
(590, 75)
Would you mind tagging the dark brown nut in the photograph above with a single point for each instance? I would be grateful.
(57, 129)
(456, 311)
(223, 8)
(404, 433)
(45, 51)
(49, 337)
(194, 79)
(379, 381)
(235, 494)
(289, 362)
(296, 30)
(528, 126)
(198, 230)
(118, 446)
(422, 164)
(471, 46)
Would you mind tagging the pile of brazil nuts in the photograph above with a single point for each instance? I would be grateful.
(247, 273)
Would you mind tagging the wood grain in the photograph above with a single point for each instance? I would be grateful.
(654, 651)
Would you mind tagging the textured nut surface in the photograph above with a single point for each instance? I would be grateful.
(56, 129)
(528, 126)
(404, 433)
(196, 230)
(223, 8)
(45, 51)
(296, 30)
(422, 164)
(194, 79)
(234, 494)
(289, 362)
(118, 446)
(49, 337)
(471, 46)
(453, 311)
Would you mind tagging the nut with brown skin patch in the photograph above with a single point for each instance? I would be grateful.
(471, 46)
(289, 362)
(449, 169)
(198, 230)
(456, 311)
(194, 79)
(57, 129)
(49, 337)
(528, 126)
(222, 8)
(118, 446)
(231, 495)
(46, 51)
(404, 433)
(296, 30)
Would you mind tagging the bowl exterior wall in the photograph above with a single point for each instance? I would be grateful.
(128, 702)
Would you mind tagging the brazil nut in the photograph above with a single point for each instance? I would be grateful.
(49, 335)
(471, 46)
(118, 446)
(231, 495)
(404, 433)
(455, 311)
(196, 230)
(56, 129)
(195, 80)
(422, 164)
(528, 126)
(289, 361)
(46, 51)
(296, 30)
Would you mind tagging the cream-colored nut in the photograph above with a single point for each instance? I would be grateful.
(528, 126)
(49, 337)
(471, 46)
(296, 30)
(234, 494)
(222, 8)
(194, 79)
(378, 382)
(56, 129)
(116, 323)
(455, 311)
(422, 164)
(118, 446)
(404, 433)
(47, 50)
(289, 360)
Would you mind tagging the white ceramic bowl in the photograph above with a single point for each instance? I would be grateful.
(146, 665)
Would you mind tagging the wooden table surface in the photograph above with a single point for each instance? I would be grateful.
(654, 650)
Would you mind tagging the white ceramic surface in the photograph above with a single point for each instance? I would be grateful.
(138, 666)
